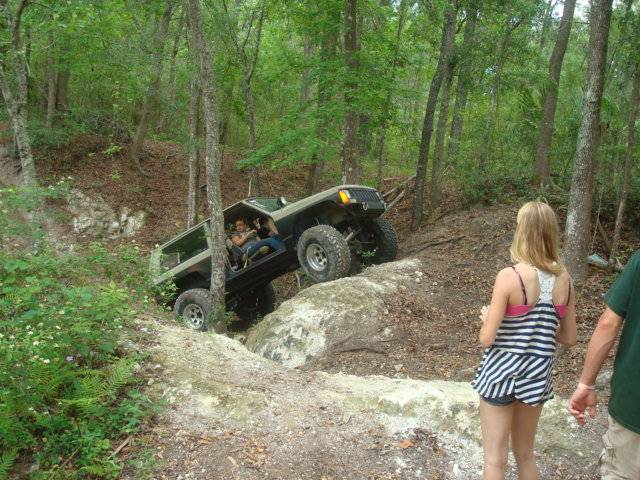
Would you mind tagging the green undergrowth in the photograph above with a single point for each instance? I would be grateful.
(68, 397)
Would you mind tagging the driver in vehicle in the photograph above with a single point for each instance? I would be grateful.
(251, 242)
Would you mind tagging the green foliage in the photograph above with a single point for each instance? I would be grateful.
(300, 82)
(64, 390)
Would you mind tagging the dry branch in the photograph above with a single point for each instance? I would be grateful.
(120, 447)
(424, 246)
(398, 187)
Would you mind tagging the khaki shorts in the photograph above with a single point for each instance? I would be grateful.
(620, 459)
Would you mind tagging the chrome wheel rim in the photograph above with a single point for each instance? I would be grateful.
(316, 257)
(194, 315)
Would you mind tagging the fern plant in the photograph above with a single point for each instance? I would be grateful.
(64, 391)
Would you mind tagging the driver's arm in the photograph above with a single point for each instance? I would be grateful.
(240, 239)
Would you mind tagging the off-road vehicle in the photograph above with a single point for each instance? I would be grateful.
(321, 234)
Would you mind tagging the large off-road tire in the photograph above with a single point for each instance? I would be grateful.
(193, 307)
(384, 238)
(253, 305)
(323, 253)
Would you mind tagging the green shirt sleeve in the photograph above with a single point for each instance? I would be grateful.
(619, 295)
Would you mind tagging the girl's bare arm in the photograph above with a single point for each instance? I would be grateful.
(495, 313)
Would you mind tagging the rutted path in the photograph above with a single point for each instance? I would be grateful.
(233, 414)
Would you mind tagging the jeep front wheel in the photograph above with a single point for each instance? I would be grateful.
(382, 238)
(323, 253)
(193, 307)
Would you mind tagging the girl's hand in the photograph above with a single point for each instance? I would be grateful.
(483, 313)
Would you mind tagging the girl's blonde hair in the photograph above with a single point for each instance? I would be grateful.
(537, 238)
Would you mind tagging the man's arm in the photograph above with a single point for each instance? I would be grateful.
(603, 338)
(240, 239)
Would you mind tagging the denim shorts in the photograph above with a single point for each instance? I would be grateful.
(500, 401)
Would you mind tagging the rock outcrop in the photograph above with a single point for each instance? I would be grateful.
(235, 414)
(92, 216)
(347, 314)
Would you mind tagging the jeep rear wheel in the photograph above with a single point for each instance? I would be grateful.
(192, 306)
(323, 253)
(381, 238)
(253, 305)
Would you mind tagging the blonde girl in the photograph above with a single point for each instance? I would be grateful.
(531, 309)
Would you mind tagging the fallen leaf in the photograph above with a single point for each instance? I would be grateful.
(407, 443)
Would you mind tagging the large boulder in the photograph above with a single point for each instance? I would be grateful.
(332, 317)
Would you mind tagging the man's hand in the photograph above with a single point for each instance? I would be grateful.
(250, 233)
(583, 400)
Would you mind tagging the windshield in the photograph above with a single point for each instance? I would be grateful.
(268, 204)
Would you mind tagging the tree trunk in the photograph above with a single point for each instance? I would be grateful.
(254, 183)
(494, 102)
(578, 225)
(13, 63)
(542, 174)
(62, 94)
(213, 160)
(194, 153)
(16, 104)
(14, 94)
(462, 87)
(248, 69)
(436, 166)
(382, 137)
(171, 94)
(51, 84)
(446, 48)
(328, 48)
(151, 97)
(350, 164)
(305, 96)
(171, 81)
(631, 130)
(305, 79)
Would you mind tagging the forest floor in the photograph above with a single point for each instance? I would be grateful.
(461, 253)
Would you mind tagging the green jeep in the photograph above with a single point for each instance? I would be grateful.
(321, 234)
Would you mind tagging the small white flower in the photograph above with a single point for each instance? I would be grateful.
(46, 360)
(35, 343)
(57, 327)
(29, 332)
(1, 335)
(11, 337)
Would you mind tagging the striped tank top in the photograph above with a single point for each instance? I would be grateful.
(519, 363)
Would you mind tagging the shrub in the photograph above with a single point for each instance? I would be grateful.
(65, 393)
